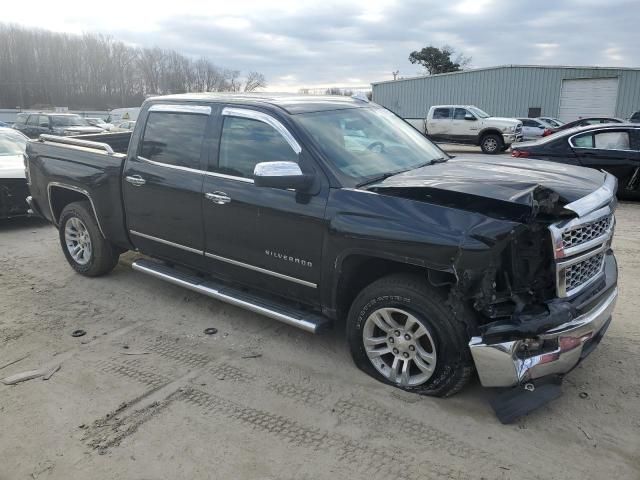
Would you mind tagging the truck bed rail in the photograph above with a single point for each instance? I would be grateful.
(77, 142)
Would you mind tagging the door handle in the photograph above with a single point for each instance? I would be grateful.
(135, 180)
(219, 198)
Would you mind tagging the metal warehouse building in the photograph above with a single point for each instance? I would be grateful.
(567, 93)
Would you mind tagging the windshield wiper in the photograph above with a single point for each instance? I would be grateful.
(384, 176)
(379, 178)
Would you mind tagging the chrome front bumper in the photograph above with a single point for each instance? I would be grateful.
(509, 363)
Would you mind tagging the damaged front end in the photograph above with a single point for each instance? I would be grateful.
(555, 301)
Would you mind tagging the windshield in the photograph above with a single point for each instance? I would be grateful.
(68, 121)
(479, 113)
(12, 143)
(368, 142)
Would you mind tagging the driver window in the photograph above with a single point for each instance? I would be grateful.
(612, 140)
(246, 142)
(460, 113)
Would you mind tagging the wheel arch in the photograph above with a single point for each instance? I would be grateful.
(60, 195)
(488, 131)
(357, 270)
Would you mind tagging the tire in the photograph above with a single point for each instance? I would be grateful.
(440, 362)
(491, 144)
(86, 250)
(504, 148)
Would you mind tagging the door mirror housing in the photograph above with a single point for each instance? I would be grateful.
(470, 117)
(283, 175)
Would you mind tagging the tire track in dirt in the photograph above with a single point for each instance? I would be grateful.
(372, 461)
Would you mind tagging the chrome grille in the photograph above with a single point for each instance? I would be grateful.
(582, 272)
(580, 246)
(586, 232)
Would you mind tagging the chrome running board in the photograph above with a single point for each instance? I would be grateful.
(308, 321)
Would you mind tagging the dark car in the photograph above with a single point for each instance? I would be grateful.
(582, 122)
(13, 185)
(315, 210)
(35, 124)
(614, 148)
(635, 118)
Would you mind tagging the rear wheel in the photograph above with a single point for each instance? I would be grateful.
(491, 143)
(86, 250)
(402, 333)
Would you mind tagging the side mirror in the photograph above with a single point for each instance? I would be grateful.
(470, 117)
(281, 175)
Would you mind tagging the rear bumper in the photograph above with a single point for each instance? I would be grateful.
(510, 363)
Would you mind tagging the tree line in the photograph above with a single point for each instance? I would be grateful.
(39, 68)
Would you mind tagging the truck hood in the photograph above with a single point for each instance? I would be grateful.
(11, 166)
(513, 188)
(501, 121)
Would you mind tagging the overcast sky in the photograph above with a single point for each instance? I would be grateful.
(324, 43)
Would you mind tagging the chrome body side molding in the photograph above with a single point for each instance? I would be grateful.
(224, 259)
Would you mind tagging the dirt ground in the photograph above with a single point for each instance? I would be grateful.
(145, 394)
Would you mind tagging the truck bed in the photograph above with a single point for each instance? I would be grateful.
(84, 166)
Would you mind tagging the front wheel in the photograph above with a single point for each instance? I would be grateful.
(491, 144)
(401, 332)
(86, 250)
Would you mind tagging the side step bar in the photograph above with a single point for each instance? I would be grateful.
(310, 322)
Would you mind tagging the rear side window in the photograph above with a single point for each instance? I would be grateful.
(442, 113)
(635, 117)
(583, 141)
(612, 140)
(246, 142)
(174, 138)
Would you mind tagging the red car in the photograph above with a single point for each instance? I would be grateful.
(582, 122)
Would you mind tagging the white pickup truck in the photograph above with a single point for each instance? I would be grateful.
(469, 125)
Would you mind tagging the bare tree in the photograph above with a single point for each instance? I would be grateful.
(44, 68)
(254, 81)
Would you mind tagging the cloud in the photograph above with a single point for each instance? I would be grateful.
(326, 43)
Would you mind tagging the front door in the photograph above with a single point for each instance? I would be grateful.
(616, 151)
(162, 183)
(462, 129)
(266, 238)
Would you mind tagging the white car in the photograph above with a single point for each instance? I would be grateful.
(554, 122)
(533, 128)
(13, 183)
(99, 122)
(467, 124)
(125, 126)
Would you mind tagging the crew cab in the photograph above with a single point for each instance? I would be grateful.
(467, 124)
(322, 210)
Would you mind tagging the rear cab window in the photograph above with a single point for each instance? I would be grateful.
(245, 142)
(174, 138)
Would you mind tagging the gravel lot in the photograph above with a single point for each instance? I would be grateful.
(146, 395)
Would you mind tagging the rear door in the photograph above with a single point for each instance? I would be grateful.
(440, 124)
(266, 238)
(162, 184)
(613, 150)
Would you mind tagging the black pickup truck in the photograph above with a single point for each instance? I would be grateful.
(315, 210)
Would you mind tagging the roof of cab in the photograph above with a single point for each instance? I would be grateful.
(291, 103)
